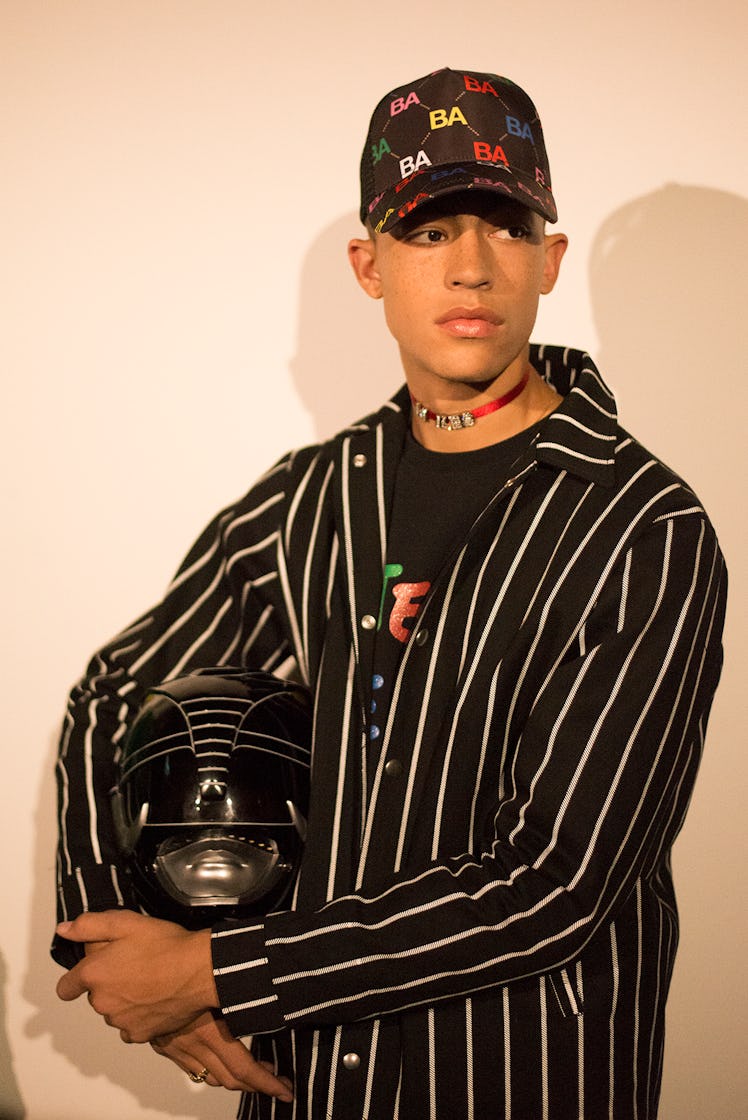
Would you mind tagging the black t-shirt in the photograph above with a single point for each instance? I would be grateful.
(438, 496)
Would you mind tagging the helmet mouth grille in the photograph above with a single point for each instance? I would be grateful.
(219, 870)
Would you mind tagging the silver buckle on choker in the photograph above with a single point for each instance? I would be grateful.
(454, 421)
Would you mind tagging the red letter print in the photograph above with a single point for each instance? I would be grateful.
(405, 607)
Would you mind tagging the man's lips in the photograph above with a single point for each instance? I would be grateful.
(469, 322)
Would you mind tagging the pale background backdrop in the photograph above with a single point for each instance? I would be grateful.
(178, 180)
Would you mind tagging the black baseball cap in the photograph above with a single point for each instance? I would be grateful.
(449, 131)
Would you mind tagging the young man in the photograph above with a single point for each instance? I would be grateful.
(509, 614)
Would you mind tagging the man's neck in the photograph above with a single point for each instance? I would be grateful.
(535, 401)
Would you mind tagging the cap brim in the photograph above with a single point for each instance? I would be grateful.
(397, 204)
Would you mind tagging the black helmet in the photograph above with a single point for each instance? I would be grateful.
(213, 792)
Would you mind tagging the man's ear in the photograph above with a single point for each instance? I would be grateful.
(555, 247)
(362, 253)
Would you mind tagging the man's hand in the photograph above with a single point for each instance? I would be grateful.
(206, 1044)
(151, 978)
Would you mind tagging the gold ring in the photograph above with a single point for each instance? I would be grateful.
(198, 1078)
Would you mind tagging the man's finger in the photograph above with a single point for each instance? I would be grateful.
(250, 1073)
(104, 926)
(70, 985)
(207, 1043)
(283, 1080)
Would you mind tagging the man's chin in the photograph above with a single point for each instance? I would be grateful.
(478, 381)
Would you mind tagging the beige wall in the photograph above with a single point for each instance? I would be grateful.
(178, 181)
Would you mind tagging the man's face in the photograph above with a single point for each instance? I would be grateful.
(460, 281)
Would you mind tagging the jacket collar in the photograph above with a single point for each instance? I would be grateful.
(579, 436)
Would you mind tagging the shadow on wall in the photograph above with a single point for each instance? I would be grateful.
(668, 277)
(346, 362)
(75, 1031)
(11, 1106)
(668, 274)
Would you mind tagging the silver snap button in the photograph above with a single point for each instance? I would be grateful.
(351, 1061)
(421, 637)
(368, 622)
(393, 768)
(359, 460)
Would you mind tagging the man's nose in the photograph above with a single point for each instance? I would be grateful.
(470, 262)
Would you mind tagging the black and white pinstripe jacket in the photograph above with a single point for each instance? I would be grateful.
(488, 927)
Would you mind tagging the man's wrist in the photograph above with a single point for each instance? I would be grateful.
(206, 983)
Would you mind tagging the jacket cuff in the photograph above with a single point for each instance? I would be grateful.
(95, 888)
(246, 992)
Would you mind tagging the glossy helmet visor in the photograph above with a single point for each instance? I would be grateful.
(213, 792)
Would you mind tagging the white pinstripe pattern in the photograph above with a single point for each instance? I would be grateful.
(348, 539)
(305, 610)
(312, 1072)
(507, 1055)
(93, 811)
(421, 727)
(372, 1070)
(381, 512)
(469, 1057)
(431, 1042)
(340, 791)
(482, 762)
(639, 965)
(544, 1047)
(580, 1042)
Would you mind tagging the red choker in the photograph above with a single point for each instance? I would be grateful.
(452, 422)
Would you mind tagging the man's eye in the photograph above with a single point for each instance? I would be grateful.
(426, 236)
(517, 232)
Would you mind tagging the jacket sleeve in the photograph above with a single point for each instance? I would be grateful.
(222, 608)
(599, 787)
